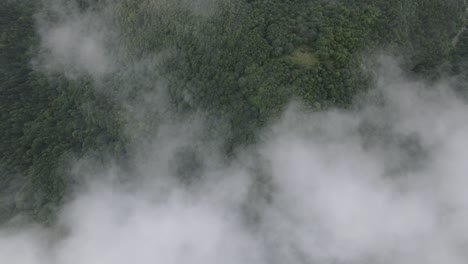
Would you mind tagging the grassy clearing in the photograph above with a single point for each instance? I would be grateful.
(303, 56)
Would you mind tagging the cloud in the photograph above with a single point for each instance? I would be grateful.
(83, 38)
(76, 41)
(339, 196)
(383, 183)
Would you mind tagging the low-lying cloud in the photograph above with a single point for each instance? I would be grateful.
(384, 183)
(86, 38)
(76, 41)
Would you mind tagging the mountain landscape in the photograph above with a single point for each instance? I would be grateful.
(243, 131)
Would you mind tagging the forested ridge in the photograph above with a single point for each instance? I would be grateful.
(239, 62)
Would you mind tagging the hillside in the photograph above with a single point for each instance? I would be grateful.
(75, 75)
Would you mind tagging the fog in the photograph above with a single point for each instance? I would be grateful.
(383, 182)
(73, 42)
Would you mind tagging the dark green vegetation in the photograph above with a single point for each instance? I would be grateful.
(240, 63)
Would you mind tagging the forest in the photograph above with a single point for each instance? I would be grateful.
(237, 62)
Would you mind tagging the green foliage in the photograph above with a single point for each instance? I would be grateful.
(43, 119)
(241, 64)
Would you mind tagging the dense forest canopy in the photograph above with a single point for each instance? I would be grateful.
(239, 62)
